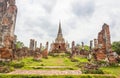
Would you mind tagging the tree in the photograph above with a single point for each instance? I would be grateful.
(19, 44)
(116, 47)
(86, 47)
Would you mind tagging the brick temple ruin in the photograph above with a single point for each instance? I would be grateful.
(102, 45)
(38, 52)
(59, 45)
(8, 13)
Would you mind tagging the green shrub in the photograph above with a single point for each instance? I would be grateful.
(81, 64)
(92, 71)
(6, 69)
(17, 64)
(37, 60)
(74, 60)
(4, 63)
(42, 65)
(113, 64)
(102, 63)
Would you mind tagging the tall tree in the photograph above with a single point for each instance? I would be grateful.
(19, 44)
(116, 47)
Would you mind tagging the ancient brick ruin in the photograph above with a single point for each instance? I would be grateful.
(37, 52)
(45, 51)
(102, 45)
(8, 13)
(59, 45)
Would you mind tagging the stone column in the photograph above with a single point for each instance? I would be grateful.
(73, 45)
(35, 46)
(32, 44)
(106, 37)
(73, 49)
(40, 46)
(45, 51)
(91, 45)
(82, 45)
(47, 45)
(95, 43)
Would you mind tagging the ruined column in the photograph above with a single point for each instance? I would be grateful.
(40, 47)
(104, 41)
(100, 40)
(32, 44)
(73, 45)
(73, 49)
(35, 46)
(45, 51)
(82, 45)
(8, 13)
(106, 37)
(95, 43)
(91, 45)
(47, 45)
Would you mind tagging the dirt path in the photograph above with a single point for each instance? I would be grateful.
(47, 72)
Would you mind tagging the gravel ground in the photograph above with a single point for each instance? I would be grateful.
(47, 72)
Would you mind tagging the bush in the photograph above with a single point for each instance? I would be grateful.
(116, 47)
(42, 65)
(90, 71)
(4, 63)
(102, 63)
(17, 64)
(113, 64)
(74, 60)
(37, 60)
(81, 64)
(6, 69)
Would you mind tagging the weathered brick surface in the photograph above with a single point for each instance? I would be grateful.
(103, 45)
(32, 44)
(8, 12)
(45, 51)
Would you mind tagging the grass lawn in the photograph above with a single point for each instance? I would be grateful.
(112, 70)
(52, 61)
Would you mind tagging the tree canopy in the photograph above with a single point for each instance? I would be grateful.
(19, 44)
(116, 47)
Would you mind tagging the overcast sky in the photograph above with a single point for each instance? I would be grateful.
(81, 20)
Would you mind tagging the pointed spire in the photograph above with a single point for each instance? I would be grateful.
(60, 29)
(59, 38)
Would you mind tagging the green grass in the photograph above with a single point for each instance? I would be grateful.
(64, 61)
(81, 59)
(112, 70)
(56, 76)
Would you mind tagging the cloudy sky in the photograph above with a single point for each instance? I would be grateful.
(81, 19)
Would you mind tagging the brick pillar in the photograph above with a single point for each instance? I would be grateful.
(91, 45)
(40, 46)
(35, 46)
(95, 43)
(82, 45)
(47, 45)
(32, 44)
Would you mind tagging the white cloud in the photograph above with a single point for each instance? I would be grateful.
(81, 19)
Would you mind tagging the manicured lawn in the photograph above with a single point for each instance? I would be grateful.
(64, 61)
(112, 70)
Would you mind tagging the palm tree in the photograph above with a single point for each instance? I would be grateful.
(19, 44)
